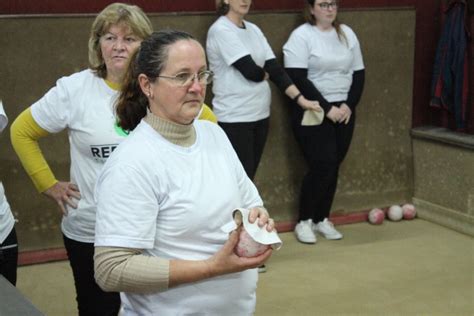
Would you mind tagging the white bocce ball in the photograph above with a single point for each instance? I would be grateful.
(395, 213)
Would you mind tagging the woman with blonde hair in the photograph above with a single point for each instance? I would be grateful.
(83, 104)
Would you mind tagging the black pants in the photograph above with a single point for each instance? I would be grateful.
(91, 300)
(9, 257)
(324, 148)
(248, 140)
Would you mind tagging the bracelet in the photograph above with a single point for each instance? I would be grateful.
(297, 97)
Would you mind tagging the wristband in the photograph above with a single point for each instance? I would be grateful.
(297, 97)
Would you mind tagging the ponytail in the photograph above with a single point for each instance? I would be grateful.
(132, 103)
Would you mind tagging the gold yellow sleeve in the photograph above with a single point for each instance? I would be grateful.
(207, 114)
(24, 133)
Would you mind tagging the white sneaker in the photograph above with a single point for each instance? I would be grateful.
(326, 228)
(304, 232)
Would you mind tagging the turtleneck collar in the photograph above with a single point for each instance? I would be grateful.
(178, 134)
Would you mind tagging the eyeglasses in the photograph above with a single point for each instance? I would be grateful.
(185, 79)
(327, 5)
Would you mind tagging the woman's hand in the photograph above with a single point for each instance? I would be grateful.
(334, 114)
(346, 113)
(309, 105)
(226, 261)
(64, 193)
(263, 217)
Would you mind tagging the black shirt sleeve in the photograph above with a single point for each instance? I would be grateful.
(306, 87)
(355, 92)
(277, 74)
(249, 69)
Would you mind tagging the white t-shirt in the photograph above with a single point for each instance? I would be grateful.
(330, 61)
(237, 99)
(82, 103)
(6, 217)
(172, 201)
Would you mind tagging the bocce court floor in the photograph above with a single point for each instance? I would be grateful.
(398, 268)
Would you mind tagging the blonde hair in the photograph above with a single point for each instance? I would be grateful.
(309, 18)
(130, 16)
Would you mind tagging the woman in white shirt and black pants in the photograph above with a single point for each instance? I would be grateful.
(324, 59)
(242, 61)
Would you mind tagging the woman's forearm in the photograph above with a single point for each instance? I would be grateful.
(128, 270)
(24, 133)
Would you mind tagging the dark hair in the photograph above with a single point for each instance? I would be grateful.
(312, 20)
(149, 60)
(222, 8)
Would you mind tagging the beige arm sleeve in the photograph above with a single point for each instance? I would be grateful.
(128, 270)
